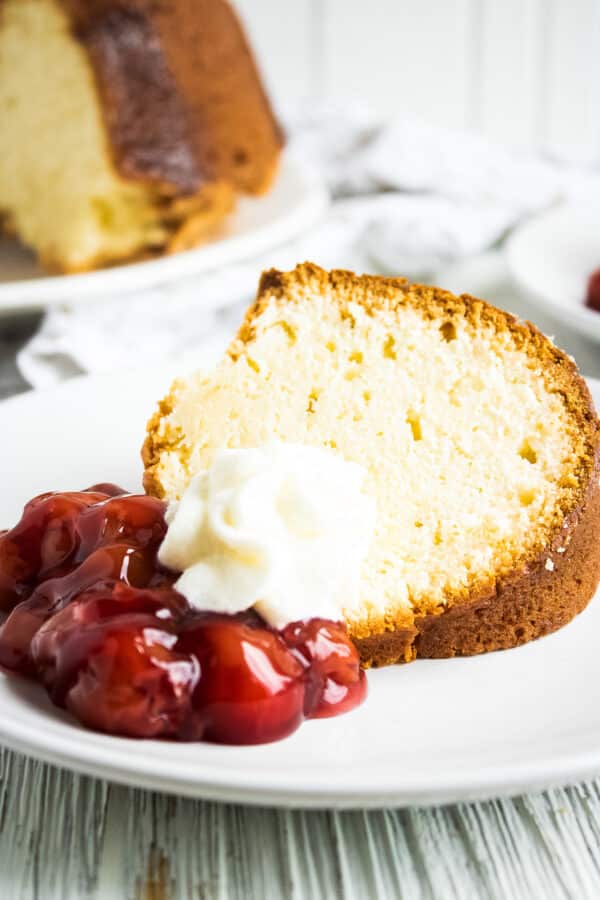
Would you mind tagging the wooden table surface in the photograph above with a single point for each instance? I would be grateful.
(67, 837)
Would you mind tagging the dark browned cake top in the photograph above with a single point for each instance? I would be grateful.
(181, 95)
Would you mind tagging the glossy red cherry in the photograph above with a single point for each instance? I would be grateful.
(42, 544)
(335, 681)
(135, 520)
(592, 299)
(251, 689)
(103, 569)
(61, 646)
(107, 488)
(132, 682)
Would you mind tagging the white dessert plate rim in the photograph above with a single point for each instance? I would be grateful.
(552, 255)
(296, 201)
(432, 732)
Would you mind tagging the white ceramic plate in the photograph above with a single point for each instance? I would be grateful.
(295, 202)
(551, 258)
(431, 732)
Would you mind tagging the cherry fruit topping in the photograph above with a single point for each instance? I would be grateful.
(251, 689)
(94, 616)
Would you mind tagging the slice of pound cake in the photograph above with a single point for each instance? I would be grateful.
(480, 441)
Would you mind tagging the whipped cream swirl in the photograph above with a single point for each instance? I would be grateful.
(283, 528)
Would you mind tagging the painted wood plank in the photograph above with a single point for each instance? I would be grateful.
(65, 837)
(282, 38)
(405, 58)
(51, 831)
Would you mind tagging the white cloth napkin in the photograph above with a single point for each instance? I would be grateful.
(408, 198)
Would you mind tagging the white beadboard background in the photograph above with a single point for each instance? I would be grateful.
(526, 72)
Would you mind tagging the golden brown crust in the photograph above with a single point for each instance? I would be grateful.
(201, 221)
(157, 443)
(180, 92)
(548, 589)
(387, 648)
(187, 222)
(379, 294)
(540, 598)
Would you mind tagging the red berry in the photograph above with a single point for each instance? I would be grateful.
(138, 521)
(131, 681)
(61, 645)
(107, 488)
(251, 689)
(41, 545)
(335, 681)
(99, 572)
(593, 291)
(79, 499)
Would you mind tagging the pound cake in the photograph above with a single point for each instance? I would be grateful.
(127, 128)
(479, 437)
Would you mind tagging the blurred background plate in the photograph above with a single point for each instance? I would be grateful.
(551, 258)
(296, 201)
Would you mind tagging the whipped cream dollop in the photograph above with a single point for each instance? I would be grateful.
(284, 528)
